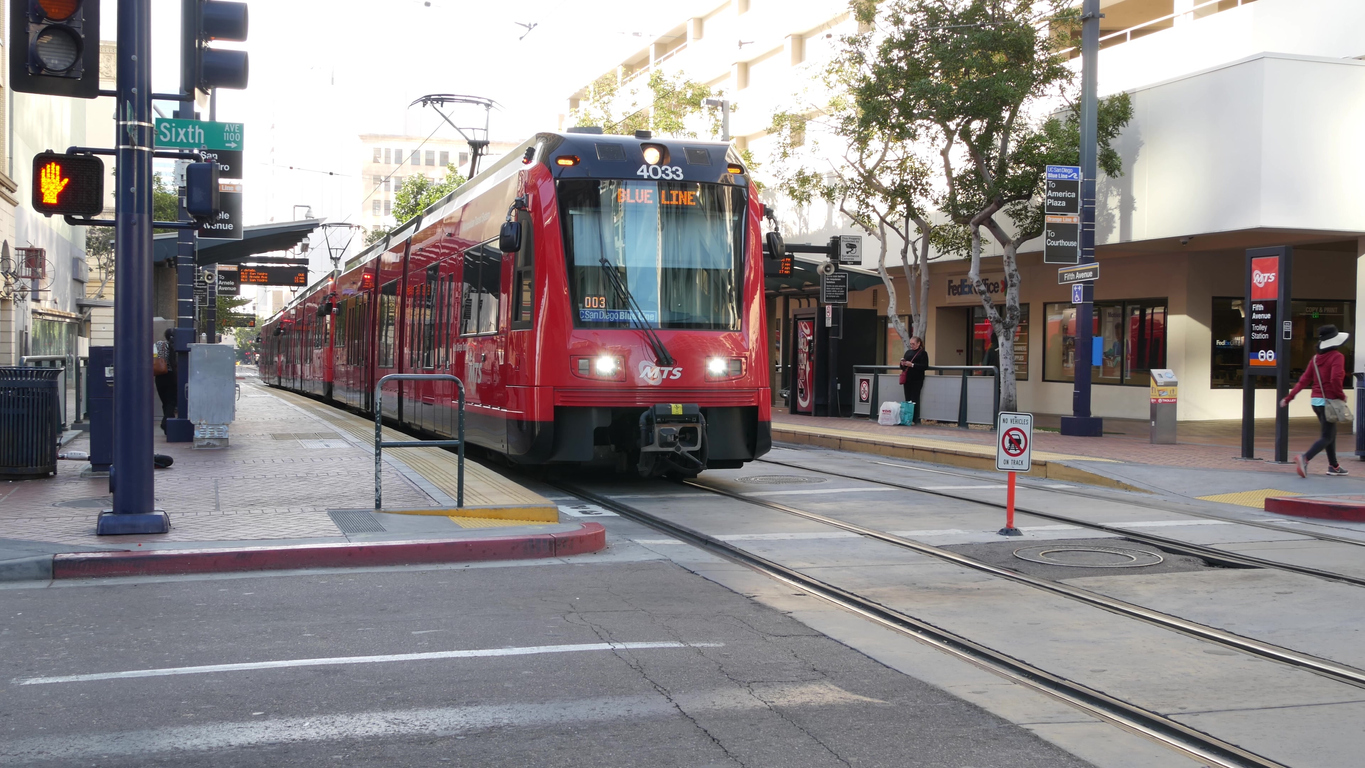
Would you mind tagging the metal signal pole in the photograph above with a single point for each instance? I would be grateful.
(1080, 423)
(131, 476)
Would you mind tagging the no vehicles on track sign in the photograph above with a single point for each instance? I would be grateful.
(1014, 442)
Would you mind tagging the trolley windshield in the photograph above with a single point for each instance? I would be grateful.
(676, 246)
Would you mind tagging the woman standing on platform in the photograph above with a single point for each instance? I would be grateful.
(913, 367)
(1324, 378)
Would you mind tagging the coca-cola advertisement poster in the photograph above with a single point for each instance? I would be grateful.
(1265, 316)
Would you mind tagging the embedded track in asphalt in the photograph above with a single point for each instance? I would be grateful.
(1160, 728)
(1209, 554)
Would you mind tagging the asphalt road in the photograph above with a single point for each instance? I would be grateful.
(411, 667)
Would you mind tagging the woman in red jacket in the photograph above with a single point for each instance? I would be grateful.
(1324, 377)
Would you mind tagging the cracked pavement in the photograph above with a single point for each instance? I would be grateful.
(764, 690)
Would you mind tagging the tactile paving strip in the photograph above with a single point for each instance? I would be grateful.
(1247, 498)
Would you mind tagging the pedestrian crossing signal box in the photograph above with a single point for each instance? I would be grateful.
(68, 184)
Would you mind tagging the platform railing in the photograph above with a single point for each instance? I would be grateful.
(380, 443)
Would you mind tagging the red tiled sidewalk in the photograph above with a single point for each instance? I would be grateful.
(1203, 445)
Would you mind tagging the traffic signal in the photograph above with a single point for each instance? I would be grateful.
(54, 47)
(206, 21)
(201, 190)
(68, 185)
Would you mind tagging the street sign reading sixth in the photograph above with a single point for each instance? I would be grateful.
(1014, 443)
(1062, 220)
(223, 142)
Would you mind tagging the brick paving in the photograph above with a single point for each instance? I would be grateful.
(1202, 445)
(257, 488)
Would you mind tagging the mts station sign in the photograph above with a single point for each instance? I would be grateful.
(221, 143)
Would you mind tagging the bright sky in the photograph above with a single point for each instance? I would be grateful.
(324, 73)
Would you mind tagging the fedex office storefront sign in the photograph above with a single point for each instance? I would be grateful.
(961, 290)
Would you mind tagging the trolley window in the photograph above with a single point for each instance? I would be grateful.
(676, 246)
(481, 291)
(388, 311)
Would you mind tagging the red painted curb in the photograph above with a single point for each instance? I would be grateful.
(1324, 508)
(591, 537)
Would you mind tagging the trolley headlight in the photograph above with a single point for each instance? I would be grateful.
(608, 367)
(724, 368)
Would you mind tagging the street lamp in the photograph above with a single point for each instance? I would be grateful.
(724, 105)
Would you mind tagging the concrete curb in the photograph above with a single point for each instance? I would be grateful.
(26, 568)
(1322, 507)
(1051, 470)
(590, 537)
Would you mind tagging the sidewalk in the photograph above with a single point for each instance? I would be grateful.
(295, 488)
(1204, 463)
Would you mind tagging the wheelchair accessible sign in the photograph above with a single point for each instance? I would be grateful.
(1014, 443)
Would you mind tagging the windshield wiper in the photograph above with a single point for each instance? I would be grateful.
(661, 355)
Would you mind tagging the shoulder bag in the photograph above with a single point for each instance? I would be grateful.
(1335, 411)
(161, 364)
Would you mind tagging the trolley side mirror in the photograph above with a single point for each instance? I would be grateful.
(509, 238)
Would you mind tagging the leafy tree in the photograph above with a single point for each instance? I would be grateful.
(99, 241)
(245, 340)
(416, 195)
(226, 311)
(665, 105)
(984, 81)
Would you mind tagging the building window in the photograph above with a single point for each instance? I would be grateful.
(378, 154)
(388, 159)
(980, 330)
(464, 159)
(1306, 316)
(378, 182)
(445, 159)
(416, 157)
(431, 157)
(388, 207)
(376, 207)
(1129, 339)
(397, 183)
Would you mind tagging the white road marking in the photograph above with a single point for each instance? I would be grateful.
(340, 660)
(917, 469)
(814, 491)
(695, 494)
(659, 541)
(790, 536)
(585, 510)
(426, 723)
(962, 487)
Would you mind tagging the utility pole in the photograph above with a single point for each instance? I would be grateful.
(181, 429)
(133, 485)
(1080, 423)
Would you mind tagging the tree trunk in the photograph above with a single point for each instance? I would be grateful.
(891, 313)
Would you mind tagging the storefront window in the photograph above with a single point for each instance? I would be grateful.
(981, 330)
(1129, 339)
(1306, 316)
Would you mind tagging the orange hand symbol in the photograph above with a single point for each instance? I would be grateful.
(52, 183)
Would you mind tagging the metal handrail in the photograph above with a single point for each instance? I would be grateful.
(966, 370)
(380, 443)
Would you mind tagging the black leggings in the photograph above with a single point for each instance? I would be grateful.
(1328, 439)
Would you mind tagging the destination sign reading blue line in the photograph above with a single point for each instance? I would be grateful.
(1064, 172)
(611, 316)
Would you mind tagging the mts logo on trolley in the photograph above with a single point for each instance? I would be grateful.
(654, 375)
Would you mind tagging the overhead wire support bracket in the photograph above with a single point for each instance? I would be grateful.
(477, 145)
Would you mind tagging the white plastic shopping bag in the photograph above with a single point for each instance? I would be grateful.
(890, 414)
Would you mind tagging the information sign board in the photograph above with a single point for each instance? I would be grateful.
(850, 249)
(1062, 214)
(1062, 239)
(227, 225)
(1077, 293)
(1265, 312)
(1014, 442)
(290, 276)
(1081, 274)
(834, 288)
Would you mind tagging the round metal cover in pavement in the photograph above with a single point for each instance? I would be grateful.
(1088, 556)
(780, 479)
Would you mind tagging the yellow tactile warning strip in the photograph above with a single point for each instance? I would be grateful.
(486, 493)
(483, 522)
(1247, 498)
(928, 450)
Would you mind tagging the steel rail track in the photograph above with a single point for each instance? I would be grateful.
(1152, 725)
(1342, 673)
(1170, 545)
(1096, 495)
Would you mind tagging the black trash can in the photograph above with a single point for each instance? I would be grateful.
(30, 422)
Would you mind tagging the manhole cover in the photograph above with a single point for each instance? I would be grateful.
(102, 502)
(1077, 556)
(780, 479)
